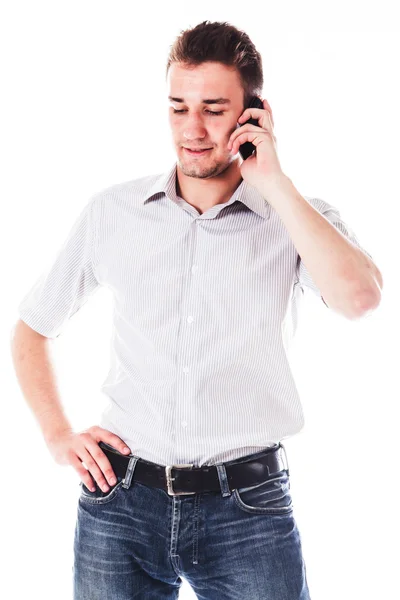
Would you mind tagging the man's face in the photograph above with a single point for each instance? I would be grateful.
(197, 126)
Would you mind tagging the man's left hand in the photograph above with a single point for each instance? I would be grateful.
(263, 166)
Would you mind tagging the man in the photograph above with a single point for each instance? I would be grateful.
(207, 264)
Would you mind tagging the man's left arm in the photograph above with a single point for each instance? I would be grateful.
(349, 281)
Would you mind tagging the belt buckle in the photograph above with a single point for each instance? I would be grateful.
(170, 479)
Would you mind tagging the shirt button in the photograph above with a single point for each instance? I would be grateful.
(194, 268)
(190, 319)
(186, 369)
(184, 423)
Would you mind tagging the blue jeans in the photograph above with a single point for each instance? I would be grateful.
(139, 542)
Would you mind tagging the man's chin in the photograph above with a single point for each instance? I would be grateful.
(204, 171)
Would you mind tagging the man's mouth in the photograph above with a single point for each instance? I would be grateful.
(197, 152)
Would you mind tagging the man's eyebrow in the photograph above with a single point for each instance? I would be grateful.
(207, 101)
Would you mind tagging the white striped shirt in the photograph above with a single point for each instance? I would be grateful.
(205, 307)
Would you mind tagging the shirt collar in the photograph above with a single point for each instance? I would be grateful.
(245, 193)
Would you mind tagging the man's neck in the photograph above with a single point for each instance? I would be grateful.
(206, 193)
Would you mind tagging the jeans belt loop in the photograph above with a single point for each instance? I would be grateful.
(126, 482)
(286, 459)
(223, 479)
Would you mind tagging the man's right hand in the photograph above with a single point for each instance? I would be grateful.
(71, 448)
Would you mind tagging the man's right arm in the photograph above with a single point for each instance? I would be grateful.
(31, 354)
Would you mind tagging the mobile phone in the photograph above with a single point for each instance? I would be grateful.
(248, 148)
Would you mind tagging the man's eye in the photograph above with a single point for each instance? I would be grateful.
(221, 112)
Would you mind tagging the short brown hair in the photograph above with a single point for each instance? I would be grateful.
(224, 43)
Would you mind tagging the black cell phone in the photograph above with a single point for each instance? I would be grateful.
(248, 148)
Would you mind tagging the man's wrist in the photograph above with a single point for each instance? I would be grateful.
(52, 432)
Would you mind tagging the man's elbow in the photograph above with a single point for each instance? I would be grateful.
(365, 304)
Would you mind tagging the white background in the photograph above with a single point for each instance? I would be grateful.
(83, 107)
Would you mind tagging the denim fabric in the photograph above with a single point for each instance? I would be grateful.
(139, 542)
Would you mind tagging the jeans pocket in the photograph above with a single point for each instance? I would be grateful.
(98, 496)
(271, 496)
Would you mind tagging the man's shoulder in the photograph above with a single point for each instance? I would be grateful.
(132, 188)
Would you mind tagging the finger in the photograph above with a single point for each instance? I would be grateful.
(104, 435)
(245, 129)
(267, 106)
(258, 113)
(255, 113)
(86, 456)
(249, 113)
(82, 472)
(100, 466)
(237, 132)
(247, 136)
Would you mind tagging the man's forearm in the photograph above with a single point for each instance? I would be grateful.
(348, 279)
(31, 355)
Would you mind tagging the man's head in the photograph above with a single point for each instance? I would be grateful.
(213, 61)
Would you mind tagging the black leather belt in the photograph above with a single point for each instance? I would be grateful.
(182, 479)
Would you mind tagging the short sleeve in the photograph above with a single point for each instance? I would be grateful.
(64, 287)
(333, 215)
